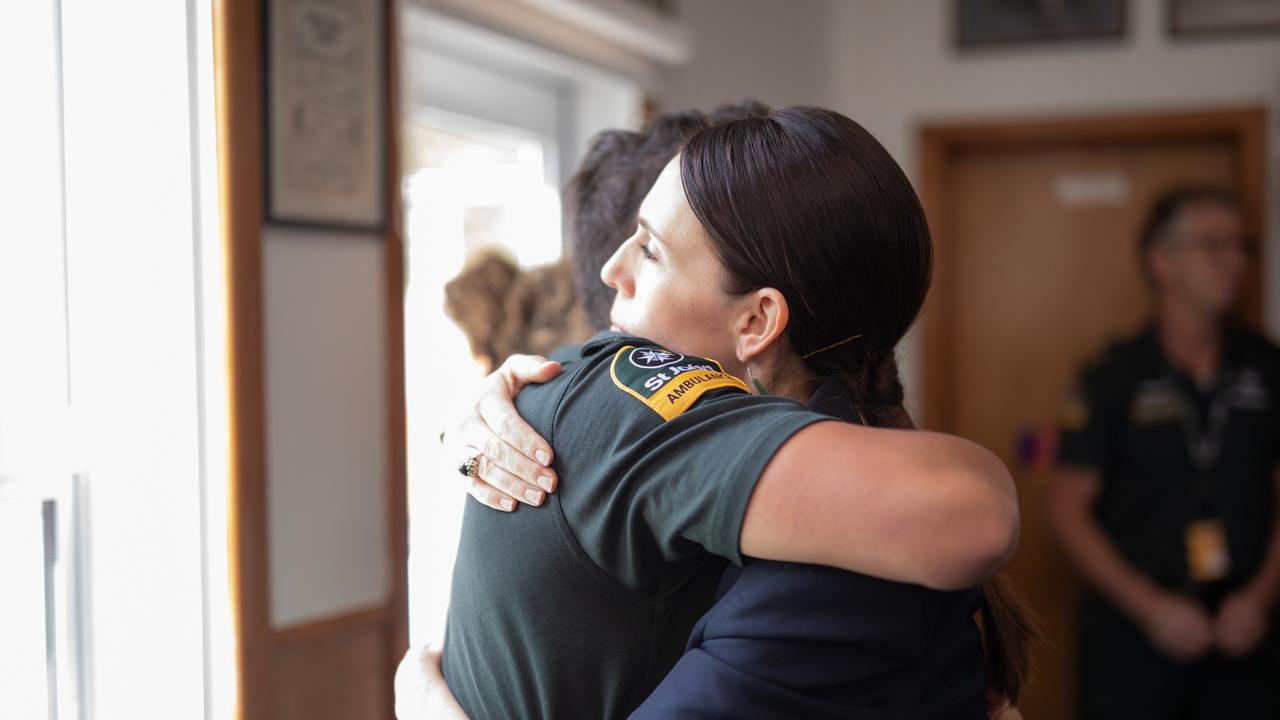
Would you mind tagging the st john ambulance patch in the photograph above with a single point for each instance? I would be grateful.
(668, 382)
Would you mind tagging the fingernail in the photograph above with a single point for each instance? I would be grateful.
(507, 504)
(533, 496)
(544, 482)
(542, 456)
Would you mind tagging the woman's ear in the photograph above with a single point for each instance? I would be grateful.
(761, 319)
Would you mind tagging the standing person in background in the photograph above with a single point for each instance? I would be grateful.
(1165, 493)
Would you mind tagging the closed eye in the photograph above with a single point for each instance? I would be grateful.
(648, 254)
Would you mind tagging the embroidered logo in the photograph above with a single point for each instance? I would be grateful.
(669, 383)
(1156, 401)
(652, 358)
(1249, 392)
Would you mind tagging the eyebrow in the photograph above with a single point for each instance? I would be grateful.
(649, 228)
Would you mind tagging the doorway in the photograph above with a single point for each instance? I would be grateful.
(1035, 227)
(491, 129)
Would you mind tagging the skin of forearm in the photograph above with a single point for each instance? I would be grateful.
(1087, 547)
(909, 506)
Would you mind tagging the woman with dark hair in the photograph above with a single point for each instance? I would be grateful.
(602, 198)
(793, 247)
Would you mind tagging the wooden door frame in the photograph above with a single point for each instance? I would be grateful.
(397, 608)
(237, 29)
(939, 145)
(238, 71)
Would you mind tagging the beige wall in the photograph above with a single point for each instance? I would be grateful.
(326, 379)
(893, 66)
(771, 50)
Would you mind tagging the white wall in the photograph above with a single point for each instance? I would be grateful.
(893, 65)
(326, 383)
(769, 50)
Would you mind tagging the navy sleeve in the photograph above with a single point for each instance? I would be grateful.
(1085, 423)
(1272, 363)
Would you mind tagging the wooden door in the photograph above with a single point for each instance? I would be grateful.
(1037, 269)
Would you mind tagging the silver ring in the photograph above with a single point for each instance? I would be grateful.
(471, 468)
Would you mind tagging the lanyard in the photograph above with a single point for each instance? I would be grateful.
(1205, 440)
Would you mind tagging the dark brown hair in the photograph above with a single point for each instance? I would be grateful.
(603, 197)
(599, 202)
(806, 201)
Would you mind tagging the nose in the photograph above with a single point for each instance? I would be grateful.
(616, 273)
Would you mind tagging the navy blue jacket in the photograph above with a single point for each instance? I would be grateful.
(787, 640)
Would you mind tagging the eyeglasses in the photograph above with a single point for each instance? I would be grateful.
(1211, 244)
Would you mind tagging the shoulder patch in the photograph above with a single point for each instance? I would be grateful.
(668, 382)
(1100, 360)
(1074, 413)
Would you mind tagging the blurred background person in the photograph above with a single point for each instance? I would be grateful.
(1164, 497)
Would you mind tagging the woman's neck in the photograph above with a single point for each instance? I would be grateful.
(787, 376)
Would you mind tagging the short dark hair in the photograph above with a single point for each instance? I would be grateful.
(597, 201)
(1165, 210)
(603, 198)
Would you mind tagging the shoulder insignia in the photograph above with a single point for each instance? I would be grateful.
(1099, 360)
(1074, 413)
(668, 382)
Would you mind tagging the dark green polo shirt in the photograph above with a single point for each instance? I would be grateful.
(1132, 417)
(579, 608)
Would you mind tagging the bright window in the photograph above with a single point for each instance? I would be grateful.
(113, 581)
(493, 130)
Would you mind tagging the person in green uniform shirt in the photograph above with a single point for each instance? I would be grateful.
(579, 609)
(1164, 497)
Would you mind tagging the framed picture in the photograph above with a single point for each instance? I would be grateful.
(986, 23)
(325, 130)
(1222, 17)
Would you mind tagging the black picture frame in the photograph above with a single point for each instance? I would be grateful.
(1011, 23)
(324, 105)
(1221, 18)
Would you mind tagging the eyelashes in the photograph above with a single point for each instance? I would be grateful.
(648, 254)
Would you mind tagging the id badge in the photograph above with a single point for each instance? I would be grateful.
(1207, 557)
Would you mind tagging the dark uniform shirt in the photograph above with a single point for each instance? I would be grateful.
(789, 640)
(1133, 418)
(578, 609)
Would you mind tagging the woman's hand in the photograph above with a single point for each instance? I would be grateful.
(421, 693)
(513, 460)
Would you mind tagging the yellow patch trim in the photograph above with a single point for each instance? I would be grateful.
(678, 394)
(682, 391)
(1074, 414)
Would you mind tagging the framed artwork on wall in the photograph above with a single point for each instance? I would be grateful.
(989, 23)
(1222, 17)
(325, 130)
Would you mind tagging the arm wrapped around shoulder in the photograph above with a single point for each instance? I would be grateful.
(908, 506)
